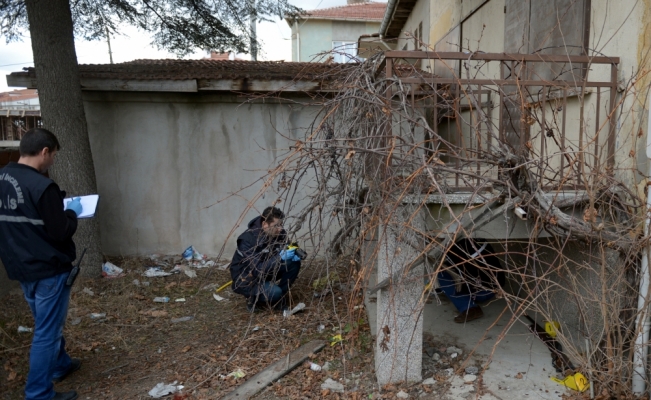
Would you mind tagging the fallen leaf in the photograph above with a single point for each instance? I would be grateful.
(12, 376)
(519, 375)
(186, 349)
(159, 313)
(350, 154)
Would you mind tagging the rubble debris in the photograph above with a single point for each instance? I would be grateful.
(472, 370)
(332, 385)
(162, 390)
(451, 350)
(402, 395)
(469, 378)
(110, 270)
(429, 381)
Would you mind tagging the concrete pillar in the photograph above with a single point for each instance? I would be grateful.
(399, 343)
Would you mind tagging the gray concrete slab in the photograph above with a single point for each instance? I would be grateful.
(519, 367)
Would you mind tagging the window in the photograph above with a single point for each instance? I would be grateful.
(344, 52)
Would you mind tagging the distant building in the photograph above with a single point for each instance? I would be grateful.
(334, 29)
(19, 112)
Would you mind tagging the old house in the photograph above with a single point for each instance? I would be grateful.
(334, 29)
(560, 84)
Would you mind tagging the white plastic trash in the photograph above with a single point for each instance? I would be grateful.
(154, 272)
(315, 367)
(162, 390)
(24, 329)
(110, 270)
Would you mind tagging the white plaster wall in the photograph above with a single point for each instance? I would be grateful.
(175, 170)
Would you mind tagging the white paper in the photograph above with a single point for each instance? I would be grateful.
(88, 204)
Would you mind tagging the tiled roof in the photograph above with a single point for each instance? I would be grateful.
(363, 11)
(18, 95)
(173, 69)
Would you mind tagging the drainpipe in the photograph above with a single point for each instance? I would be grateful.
(298, 41)
(388, 16)
(643, 323)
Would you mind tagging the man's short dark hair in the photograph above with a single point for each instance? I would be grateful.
(271, 214)
(35, 140)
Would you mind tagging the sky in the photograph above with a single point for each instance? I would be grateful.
(133, 44)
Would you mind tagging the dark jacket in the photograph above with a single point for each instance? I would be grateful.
(477, 264)
(35, 233)
(256, 257)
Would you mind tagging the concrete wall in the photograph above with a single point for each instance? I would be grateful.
(175, 170)
(316, 36)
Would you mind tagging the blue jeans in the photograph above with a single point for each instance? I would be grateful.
(276, 285)
(48, 299)
(461, 301)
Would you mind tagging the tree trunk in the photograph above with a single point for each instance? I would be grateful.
(62, 109)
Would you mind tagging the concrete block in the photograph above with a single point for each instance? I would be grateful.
(399, 343)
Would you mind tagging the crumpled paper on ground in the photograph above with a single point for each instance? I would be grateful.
(162, 390)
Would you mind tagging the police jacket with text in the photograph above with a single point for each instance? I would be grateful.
(34, 246)
(256, 257)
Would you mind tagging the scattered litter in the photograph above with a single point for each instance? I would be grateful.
(330, 384)
(320, 328)
(472, 370)
(190, 253)
(88, 291)
(24, 329)
(284, 331)
(402, 395)
(255, 328)
(154, 272)
(576, 382)
(436, 357)
(321, 294)
(453, 355)
(327, 366)
(218, 297)
(210, 264)
(97, 315)
(469, 378)
(299, 307)
(75, 321)
(145, 284)
(335, 339)
(154, 313)
(429, 381)
(449, 371)
(182, 319)
(161, 299)
(452, 350)
(154, 256)
(224, 267)
(162, 390)
(136, 282)
(186, 270)
(315, 367)
(181, 300)
(110, 270)
(237, 374)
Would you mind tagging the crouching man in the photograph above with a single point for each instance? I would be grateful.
(37, 250)
(262, 268)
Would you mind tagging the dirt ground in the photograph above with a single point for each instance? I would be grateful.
(139, 342)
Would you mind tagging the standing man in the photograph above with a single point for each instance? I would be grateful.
(37, 250)
(262, 269)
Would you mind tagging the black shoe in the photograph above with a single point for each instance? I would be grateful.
(75, 364)
(71, 395)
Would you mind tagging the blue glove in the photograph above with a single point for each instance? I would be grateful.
(296, 258)
(287, 255)
(75, 205)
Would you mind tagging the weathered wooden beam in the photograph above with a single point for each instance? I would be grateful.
(128, 85)
(259, 85)
(275, 371)
(21, 80)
